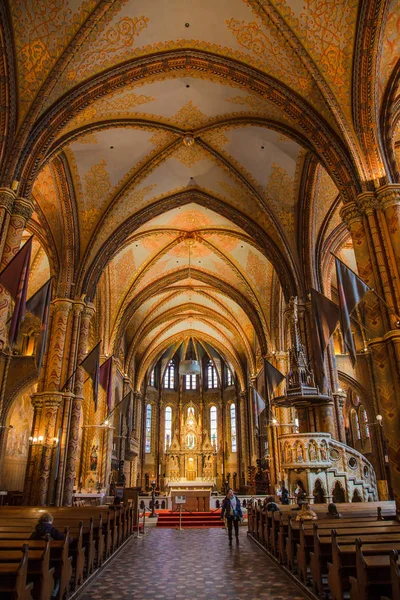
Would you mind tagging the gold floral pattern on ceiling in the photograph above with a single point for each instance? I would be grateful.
(46, 194)
(294, 79)
(326, 30)
(42, 30)
(390, 46)
(108, 106)
(280, 192)
(108, 44)
(325, 194)
(97, 186)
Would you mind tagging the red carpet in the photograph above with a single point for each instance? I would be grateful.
(190, 520)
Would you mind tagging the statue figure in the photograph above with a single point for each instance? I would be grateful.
(299, 453)
(93, 458)
(312, 453)
(324, 453)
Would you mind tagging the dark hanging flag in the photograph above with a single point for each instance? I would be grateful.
(326, 315)
(259, 403)
(125, 408)
(351, 290)
(91, 364)
(15, 278)
(39, 305)
(105, 380)
(273, 378)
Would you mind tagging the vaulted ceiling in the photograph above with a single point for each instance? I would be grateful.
(230, 130)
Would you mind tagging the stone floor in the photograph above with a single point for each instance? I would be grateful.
(191, 565)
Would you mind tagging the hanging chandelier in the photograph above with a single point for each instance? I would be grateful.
(189, 366)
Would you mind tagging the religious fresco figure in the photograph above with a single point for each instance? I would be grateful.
(93, 458)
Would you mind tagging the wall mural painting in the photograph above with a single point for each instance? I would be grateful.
(17, 447)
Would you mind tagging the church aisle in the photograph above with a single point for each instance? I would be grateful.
(193, 564)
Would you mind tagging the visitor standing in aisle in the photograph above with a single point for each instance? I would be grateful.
(232, 512)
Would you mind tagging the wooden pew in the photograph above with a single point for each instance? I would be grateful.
(307, 536)
(344, 561)
(372, 579)
(77, 550)
(325, 552)
(395, 575)
(60, 556)
(13, 583)
(39, 570)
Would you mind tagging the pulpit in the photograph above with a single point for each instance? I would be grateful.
(196, 500)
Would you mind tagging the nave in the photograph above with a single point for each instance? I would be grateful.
(196, 563)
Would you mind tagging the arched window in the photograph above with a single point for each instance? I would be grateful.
(148, 429)
(190, 382)
(168, 427)
(228, 377)
(233, 428)
(355, 425)
(212, 378)
(366, 424)
(169, 377)
(152, 378)
(213, 426)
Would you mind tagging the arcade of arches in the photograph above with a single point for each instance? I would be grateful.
(188, 170)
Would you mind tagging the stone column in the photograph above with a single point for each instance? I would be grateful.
(244, 433)
(375, 254)
(339, 399)
(77, 311)
(37, 403)
(73, 437)
(389, 199)
(50, 403)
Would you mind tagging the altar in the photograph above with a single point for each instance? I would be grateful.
(196, 500)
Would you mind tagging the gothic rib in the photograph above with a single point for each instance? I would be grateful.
(89, 275)
(326, 142)
(291, 38)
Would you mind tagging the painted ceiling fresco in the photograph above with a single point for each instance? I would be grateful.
(180, 160)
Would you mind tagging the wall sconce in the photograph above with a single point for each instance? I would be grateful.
(38, 441)
(379, 419)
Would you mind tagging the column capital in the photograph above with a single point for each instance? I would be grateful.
(24, 207)
(388, 195)
(7, 199)
(350, 213)
(367, 202)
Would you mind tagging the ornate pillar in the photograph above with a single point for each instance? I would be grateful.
(389, 198)
(12, 226)
(47, 445)
(373, 223)
(64, 425)
(339, 399)
(244, 434)
(73, 437)
(37, 403)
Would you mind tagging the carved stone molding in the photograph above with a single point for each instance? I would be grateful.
(7, 199)
(350, 213)
(23, 207)
(389, 195)
(367, 202)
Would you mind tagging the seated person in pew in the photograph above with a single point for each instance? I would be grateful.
(333, 512)
(306, 513)
(45, 527)
(270, 504)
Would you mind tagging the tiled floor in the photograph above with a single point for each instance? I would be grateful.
(195, 564)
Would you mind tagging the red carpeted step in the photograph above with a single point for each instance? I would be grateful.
(194, 519)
